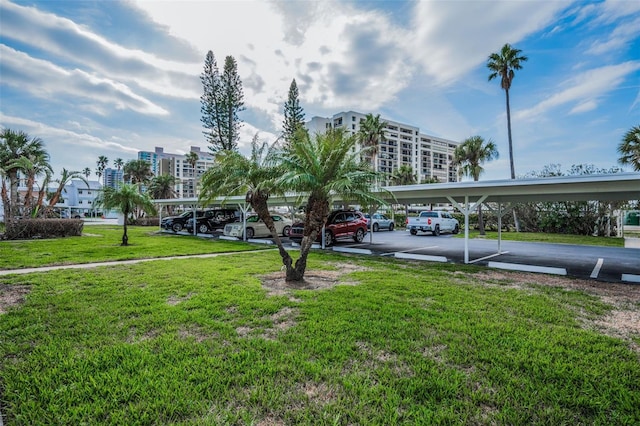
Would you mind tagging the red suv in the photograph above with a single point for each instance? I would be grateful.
(340, 224)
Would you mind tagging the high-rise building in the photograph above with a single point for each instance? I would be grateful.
(428, 156)
(176, 165)
(112, 178)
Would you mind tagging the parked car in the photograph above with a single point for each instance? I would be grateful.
(380, 221)
(434, 222)
(256, 228)
(340, 224)
(177, 223)
(213, 219)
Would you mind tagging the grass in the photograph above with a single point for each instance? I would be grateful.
(585, 240)
(202, 342)
(101, 243)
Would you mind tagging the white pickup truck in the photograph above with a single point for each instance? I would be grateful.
(434, 222)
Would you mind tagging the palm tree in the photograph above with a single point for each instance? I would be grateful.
(102, 164)
(629, 148)
(370, 135)
(161, 187)
(404, 176)
(126, 198)
(470, 155)
(504, 64)
(254, 177)
(32, 166)
(322, 166)
(118, 163)
(137, 171)
(86, 172)
(65, 177)
(13, 145)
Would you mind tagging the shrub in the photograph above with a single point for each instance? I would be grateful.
(23, 229)
(145, 221)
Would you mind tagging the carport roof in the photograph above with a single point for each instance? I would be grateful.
(610, 187)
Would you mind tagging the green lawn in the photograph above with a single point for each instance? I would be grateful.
(541, 237)
(101, 243)
(202, 342)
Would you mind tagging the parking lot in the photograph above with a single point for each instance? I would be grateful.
(609, 264)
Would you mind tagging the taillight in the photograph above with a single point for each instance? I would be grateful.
(406, 222)
(428, 221)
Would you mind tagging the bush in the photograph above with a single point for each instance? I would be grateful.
(145, 221)
(23, 229)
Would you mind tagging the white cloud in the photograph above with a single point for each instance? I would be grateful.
(619, 38)
(21, 70)
(585, 89)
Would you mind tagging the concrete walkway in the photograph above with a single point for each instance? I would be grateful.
(118, 262)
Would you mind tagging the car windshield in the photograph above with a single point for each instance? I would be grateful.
(252, 219)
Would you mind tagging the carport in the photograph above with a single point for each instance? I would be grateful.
(466, 196)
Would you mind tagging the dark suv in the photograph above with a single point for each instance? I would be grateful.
(210, 220)
(340, 224)
(178, 223)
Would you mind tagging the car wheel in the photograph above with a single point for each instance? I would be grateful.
(250, 233)
(436, 231)
(391, 226)
(203, 228)
(359, 235)
(456, 229)
(414, 232)
(286, 231)
(177, 227)
(328, 238)
(375, 227)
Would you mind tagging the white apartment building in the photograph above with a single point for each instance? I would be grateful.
(429, 156)
(176, 165)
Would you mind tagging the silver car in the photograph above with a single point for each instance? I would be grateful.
(379, 221)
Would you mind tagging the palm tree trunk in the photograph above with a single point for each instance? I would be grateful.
(258, 201)
(513, 169)
(13, 191)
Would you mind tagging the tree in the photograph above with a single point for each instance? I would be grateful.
(221, 101)
(321, 166)
(404, 176)
(126, 198)
(102, 164)
(293, 113)
(629, 148)
(118, 163)
(14, 145)
(65, 177)
(161, 187)
(503, 65)
(469, 156)
(370, 134)
(137, 171)
(32, 166)
(86, 172)
(255, 177)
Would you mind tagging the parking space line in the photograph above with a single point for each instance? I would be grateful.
(596, 270)
(489, 257)
(402, 255)
(631, 278)
(528, 268)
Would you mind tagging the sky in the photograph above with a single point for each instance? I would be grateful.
(112, 78)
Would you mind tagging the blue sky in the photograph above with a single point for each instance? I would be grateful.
(110, 78)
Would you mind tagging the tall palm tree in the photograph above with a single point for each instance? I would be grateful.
(102, 164)
(470, 155)
(235, 174)
(137, 171)
(126, 198)
(162, 187)
(321, 166)
(32, 166)
(13, 145)
(118, 163)
(86, 172)
(629, 148)
(370, 134)
(65, 177)
(503, 65)
(404, 176)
